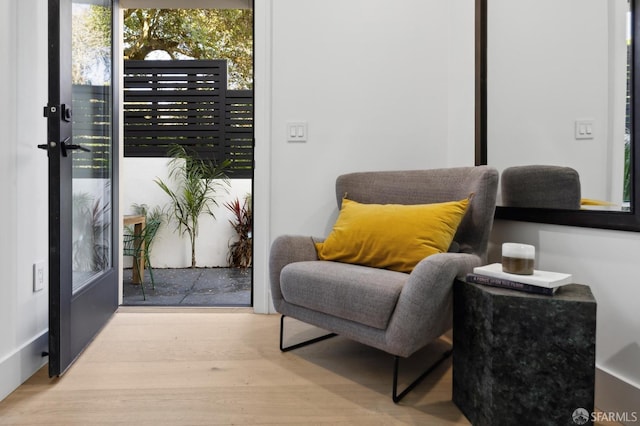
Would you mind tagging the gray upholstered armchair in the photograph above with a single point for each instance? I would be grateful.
(397, 312)
(540, 186)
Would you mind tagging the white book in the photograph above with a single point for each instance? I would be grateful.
(539, 278)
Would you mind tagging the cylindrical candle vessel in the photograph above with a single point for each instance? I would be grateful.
(518, 258)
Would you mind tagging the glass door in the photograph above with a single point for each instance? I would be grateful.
(81, 147)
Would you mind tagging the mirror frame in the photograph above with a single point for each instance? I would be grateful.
(619, 220)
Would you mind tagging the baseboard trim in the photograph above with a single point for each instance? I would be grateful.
(18, 366)
(616, 395)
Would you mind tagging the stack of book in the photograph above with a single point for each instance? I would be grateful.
(541, 282)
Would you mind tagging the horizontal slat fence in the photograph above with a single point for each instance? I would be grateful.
(91, 107)
(187, 103)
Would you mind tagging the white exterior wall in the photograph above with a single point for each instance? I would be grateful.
(170, 248)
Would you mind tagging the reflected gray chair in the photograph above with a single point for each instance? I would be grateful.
(540, 186)
(396, 312)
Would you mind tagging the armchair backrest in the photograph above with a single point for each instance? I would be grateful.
(432, 186)
(541, 186)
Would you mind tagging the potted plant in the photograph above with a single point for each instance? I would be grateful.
(197, 182)
(240, 251)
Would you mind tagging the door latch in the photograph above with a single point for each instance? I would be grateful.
(64, 146)
(62, 111)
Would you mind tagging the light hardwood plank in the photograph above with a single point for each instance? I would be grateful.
(210, 367)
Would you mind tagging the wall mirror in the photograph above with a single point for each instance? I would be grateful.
(555, 87)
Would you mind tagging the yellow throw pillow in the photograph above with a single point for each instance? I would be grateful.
(391, 236)
(593, 202)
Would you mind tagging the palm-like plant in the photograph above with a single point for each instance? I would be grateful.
(240, 251)
(197, 182)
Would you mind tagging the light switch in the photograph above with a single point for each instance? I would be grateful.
(297, 131)
(584, 129)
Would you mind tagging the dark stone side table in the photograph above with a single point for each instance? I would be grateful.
(523, 359)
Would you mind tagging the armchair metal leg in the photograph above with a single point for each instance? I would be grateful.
(301, 344)
(396, 364)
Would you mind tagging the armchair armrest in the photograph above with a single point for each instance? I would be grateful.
(424, 307)
(284, 250)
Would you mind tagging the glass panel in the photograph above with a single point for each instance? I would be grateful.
(91, 93)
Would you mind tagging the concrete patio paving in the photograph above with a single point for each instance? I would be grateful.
(191, 287)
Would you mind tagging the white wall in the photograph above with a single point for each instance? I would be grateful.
(380, 86)
(23, 185)
(170, 248)
(562, 55)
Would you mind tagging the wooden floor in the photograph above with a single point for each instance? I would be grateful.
(204, 367)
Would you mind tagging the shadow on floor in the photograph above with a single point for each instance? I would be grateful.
(190, 287)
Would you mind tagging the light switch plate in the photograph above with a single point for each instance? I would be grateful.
(584, 129)
(297, 131)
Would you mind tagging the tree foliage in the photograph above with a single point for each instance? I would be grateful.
(91, 45)
(194, 34)
(181, 33)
